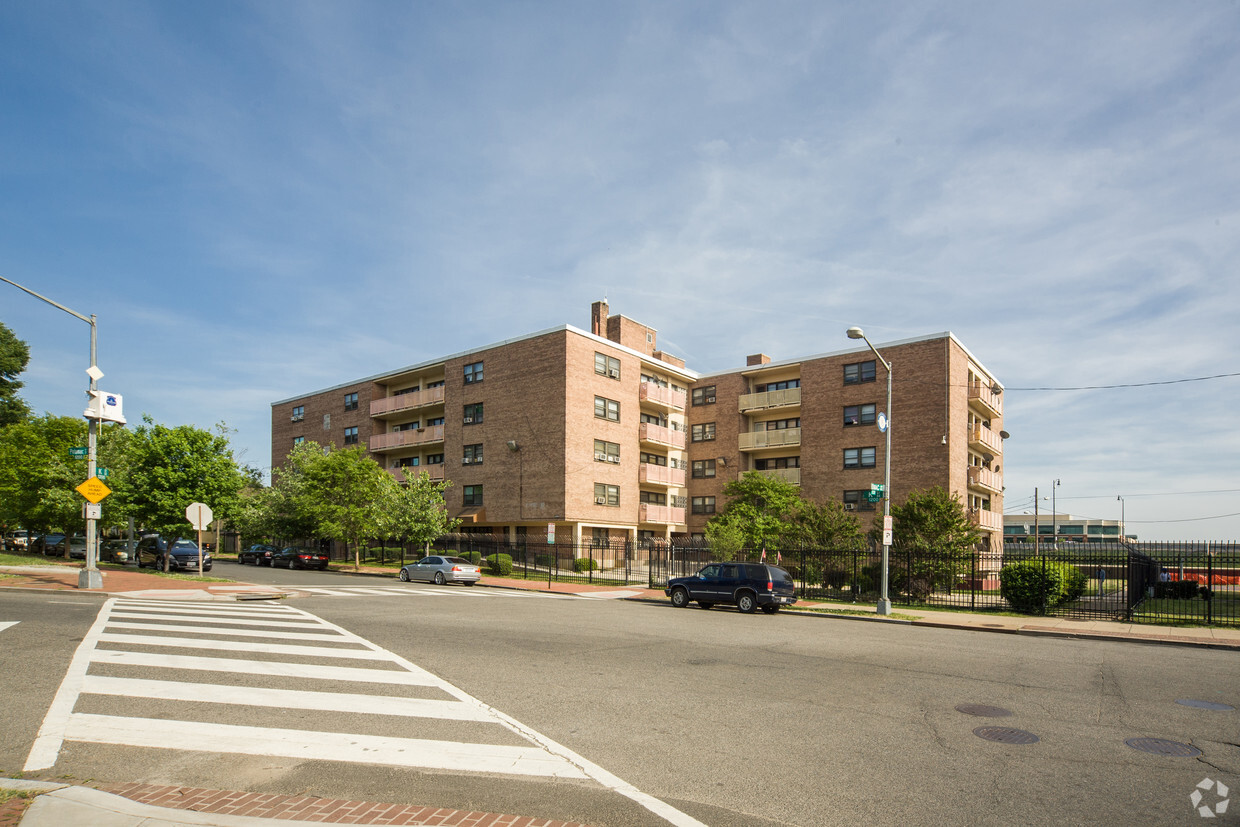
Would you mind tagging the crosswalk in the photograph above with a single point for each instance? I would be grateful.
(271, 657)
(418, 591)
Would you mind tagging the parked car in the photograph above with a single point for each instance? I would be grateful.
(17, 540)
(152, 551)
(46, 543)
(257, 555)
(747, 586)
(442, 570)
(115, 551)
(299, 558)
(77, 547)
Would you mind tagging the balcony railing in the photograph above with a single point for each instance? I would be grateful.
(435, 472)
(389, 405)
(665, 514)
(770, 399)
(987, 520)
(980, 477)
(770, 439)
(983, 437)
(984, 395)
(792, 475)
(659, 395)
(650, 474)
(649, 432)
(400, 439)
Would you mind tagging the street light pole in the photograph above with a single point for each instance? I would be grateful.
(1122, 535)
(90, 577)
(884, 601)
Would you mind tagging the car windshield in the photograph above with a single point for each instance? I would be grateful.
(184, 545)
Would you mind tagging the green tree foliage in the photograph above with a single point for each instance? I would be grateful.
(825, 525)
(37, 476)
(416, 512)
(934, 526)
(348, 492)
(170, 468)
(759, 510)
(14, 356)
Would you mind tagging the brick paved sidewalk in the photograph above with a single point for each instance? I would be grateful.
(317, 810)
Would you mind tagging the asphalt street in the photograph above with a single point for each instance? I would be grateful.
(731, 719)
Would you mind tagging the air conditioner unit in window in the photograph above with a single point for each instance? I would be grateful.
(297, 417)
(469, 420)
(850, 506)
(600, 457)
(613, 458)
(467, 460)
(600, 501)
(613, 373)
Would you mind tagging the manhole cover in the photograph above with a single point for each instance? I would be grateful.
(983, 711)
(1161, 746)
(1006, 735)
(1206, 705)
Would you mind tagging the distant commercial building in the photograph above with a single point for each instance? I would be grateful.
(605, 437)
(1022, 528)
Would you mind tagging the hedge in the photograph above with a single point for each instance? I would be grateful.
(500, 564)
(1035, 585)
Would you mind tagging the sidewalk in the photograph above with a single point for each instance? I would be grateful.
(142, 805)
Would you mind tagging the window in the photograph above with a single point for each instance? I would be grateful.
(774, 463)
(653, 459)
(473, 414)
(777, 386)
(433, 421)
(859, 372)
(703, 468)
(653, 419)
(600, 537)
(704, 396)
(350, 401)
(297, 440)
(703, 505)
(472, 455)
(605, 365)
(473, 373)
(404, 391)
(778, 424)
(652, 498)
(651, 379)
(406, 426)
(859, 415)
(857, 501)
(299, 413)
(473, 495)
(606, 451)
(438, 384)
(434, 459)
(408, 462)
(704, 432)
(350, 436)
(859, 457)
(607, 409)
(608, 495)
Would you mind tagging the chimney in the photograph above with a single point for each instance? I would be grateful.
(757, 359)
(598, 318)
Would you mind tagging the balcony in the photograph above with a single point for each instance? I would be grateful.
(664, 514)
(391, 405)
(648, 474)
(984, 439)
(435, 472)
(401, 439)
(659, 435)
(983, 396)
(985, 479)
(791, 475)
(659, 395)
(790, 398)
(987, 520)
(758, 440)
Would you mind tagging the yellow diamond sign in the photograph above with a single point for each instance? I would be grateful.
(94, 489)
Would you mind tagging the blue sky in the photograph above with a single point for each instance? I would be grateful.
(262, 199)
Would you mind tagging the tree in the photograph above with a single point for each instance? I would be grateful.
(347, 488)
(934, 530)
(760, 510)
(826, 526)
(37, 475)
(14, 356)
(416, 512)
(170, 468)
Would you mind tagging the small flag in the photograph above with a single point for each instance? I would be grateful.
(763, 558)
(779, 558)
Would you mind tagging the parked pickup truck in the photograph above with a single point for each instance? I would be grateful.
(744, 585)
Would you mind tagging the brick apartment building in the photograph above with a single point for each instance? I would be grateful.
(608, 438)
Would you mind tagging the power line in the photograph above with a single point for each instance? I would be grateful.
(1131, 384)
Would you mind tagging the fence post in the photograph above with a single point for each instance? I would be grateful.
(973, 579)
(1210, 588)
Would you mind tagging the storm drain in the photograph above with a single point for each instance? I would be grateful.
(1206, 705)
(1006, 735)
(983, 711)
(1161, 746)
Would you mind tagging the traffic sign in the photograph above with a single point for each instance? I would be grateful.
(873, 496)
(102, 473)
(878, 486)
(78, 453)
(94, 489)
(883, 423)
(199, 516)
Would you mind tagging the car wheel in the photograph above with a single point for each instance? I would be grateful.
(770, 609)
(746, 602)
(404, 575)
(680, 598)
(705, 605)
(439, 578)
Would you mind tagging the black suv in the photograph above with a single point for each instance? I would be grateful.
(152, 551)
(744, 585)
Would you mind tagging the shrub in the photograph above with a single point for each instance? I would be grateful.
(474, 557)
(500, 564)
(545, 561)
(1177, 589)
(585, 564)
(1031, 585)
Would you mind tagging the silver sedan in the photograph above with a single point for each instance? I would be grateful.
(442, 570)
